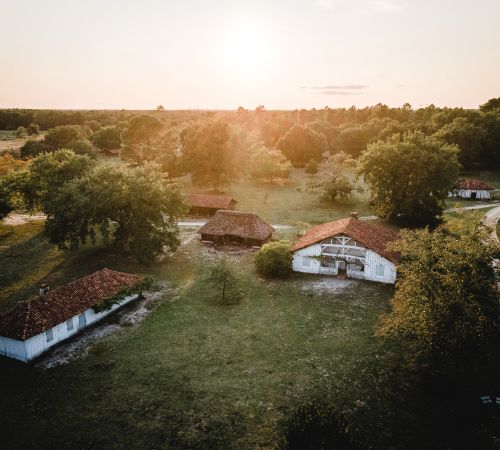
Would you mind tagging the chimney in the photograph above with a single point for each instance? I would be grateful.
(44, 288)
(355, 215)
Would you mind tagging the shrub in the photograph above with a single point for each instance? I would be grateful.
(33, 148)
(274, 259)
(311, 167)
(21, 132)
(33, 129)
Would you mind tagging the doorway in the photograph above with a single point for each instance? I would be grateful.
(82, 321)
(341, 269)
(473, 195)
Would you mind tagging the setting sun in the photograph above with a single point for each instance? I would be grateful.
(247, 50)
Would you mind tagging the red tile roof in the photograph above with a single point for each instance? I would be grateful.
(371, 236)
(209, 201)
(471, 183)
(236, 223)
(39, 314)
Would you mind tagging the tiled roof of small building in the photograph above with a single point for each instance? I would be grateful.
(209, 201)
(373, 237)
(236, 223)
(41, 313)
(473, 184)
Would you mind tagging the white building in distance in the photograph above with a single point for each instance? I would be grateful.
(472, 189)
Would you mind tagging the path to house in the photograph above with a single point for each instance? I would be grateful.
(491, 218)
(21, 218)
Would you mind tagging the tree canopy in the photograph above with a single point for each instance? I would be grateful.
(300, 144)
(410, 175)
(446, 301)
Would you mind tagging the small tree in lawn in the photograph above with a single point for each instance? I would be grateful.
(311, 167)
(274, 259)
(270, 164)
(21, 132)
(33, 129)
(223, 283)
(338, 185)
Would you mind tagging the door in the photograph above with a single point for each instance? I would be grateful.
(82, 321)
(473, 195)
(341, 268)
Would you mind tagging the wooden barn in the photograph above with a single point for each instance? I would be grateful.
(208, 205)
(473, 189)
(349, 248)
(236, 226)
(41, 322)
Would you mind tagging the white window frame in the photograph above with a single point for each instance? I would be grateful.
(70, 325)
(49, 335)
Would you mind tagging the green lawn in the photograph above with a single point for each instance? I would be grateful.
(289, 202)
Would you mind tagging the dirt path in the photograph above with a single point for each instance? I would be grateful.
(491, 218)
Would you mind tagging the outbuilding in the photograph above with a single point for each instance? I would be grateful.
(473, 189)
(41, 322)
(208, 205)
(349, 248)
(236, 226)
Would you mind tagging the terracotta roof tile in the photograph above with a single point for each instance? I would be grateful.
(39, 314)
(471, 183)
(371, 236)
(236, 223)
(208, 201)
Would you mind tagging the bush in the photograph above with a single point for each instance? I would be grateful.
(83, 147)
(274, 259)
(21, 132)
(316, 425)
(33, 148)
(311, 167)
(33, 129)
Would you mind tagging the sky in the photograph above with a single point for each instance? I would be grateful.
(218, 54)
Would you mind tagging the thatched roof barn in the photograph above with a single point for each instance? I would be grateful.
(236, 226)
(208, 205)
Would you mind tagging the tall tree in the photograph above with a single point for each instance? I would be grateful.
(133, 206)
(107, 138)
(141, 139)
(410, 176)
(445, 307)
(207, 155)
(300, 144)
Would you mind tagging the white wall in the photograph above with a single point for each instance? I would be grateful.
(467, 193)
(302, 262)
(36, 345)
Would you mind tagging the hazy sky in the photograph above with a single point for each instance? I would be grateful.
(223, 54)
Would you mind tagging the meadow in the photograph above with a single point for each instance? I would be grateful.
(194, 374)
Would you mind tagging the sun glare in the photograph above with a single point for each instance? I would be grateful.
(247, 50)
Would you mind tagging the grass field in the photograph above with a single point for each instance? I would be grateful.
(9, 141)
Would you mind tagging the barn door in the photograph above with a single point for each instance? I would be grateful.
(82, 321)
(341, 268)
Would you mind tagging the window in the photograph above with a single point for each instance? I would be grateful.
(306, 262)
(379, 270)
(69, 324)
(49, 334)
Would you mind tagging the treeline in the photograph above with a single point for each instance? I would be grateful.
(303, 135)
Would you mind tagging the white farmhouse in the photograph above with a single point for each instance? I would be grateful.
(472, 189)
(41, 322)
(347, 248)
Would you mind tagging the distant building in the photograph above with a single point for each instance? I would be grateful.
(472, 189)
(33, 327)
(208, 205)
(349, 248)
(236, 226)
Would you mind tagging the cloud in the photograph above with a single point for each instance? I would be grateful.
(336, 92)
(342, 87)
(364, 6)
